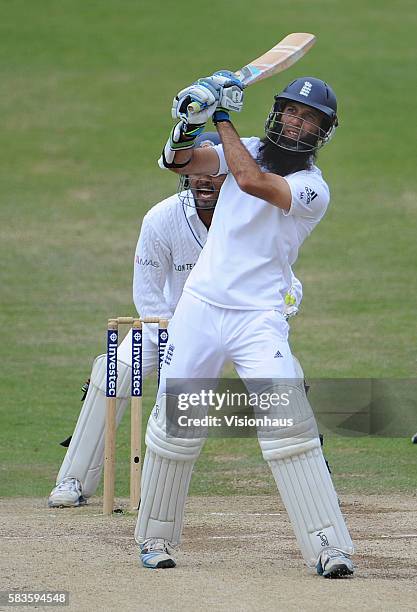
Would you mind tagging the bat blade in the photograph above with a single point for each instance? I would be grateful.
(282, 56)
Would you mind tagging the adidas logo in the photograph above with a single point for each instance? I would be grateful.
(311, 195)
(306, 88)
(278, 354)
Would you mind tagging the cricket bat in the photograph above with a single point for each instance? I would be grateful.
(282, 56)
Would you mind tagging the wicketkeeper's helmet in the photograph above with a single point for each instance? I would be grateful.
(311, 92)
(207, 139)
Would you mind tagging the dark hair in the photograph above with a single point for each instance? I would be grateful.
(282, 162)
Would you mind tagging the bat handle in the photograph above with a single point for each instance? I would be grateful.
(194, 107)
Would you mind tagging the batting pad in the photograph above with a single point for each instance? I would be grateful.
(296, 460)
(307, 491)
(166, 476)
(85, 455)
(164, 491)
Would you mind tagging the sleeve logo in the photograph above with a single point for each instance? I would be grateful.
(308, 195)
(146, 262)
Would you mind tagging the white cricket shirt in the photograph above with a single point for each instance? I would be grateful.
(170, 241)
(246, 262)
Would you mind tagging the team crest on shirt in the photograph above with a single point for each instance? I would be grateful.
(308, 195)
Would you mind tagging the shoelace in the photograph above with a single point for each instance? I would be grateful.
(70, 484)
(156, 544)
(333, 553)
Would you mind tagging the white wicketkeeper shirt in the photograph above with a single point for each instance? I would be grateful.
(170, 241)
(246, 262)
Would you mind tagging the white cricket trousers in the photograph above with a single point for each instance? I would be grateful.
(202, 337)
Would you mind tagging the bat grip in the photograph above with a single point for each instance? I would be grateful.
(194, 107)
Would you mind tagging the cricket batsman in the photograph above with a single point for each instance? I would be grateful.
(232, 307)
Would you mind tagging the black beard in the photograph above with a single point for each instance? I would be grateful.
(282, 162)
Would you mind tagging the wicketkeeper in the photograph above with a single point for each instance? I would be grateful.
(172, 236)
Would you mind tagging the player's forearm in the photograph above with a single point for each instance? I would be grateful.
(264, 185)
(188, 160)
(182, 159)
(239, 161)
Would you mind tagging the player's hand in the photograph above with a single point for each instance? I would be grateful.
(227, 78)
(231, 98)
(290, 311)
(227, 88)
(204, 94)
(231, 95)
(291, 308)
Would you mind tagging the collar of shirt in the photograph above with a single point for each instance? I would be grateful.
(195, 223)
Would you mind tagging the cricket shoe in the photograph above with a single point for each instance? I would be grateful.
(414, 439)
(67, 494)
(155, 553)
(333, 563)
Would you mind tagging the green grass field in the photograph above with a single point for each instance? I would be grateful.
(85, 110)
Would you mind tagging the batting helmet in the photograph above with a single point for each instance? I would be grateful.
(311, 92)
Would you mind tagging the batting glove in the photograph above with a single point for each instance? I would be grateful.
(182, 137)
(196, 103)
(231, 98)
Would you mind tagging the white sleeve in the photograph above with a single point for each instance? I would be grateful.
(293, 297)
(153, 259)
(309, 195)
(296, 289)
(250, 143)
(223, 167)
